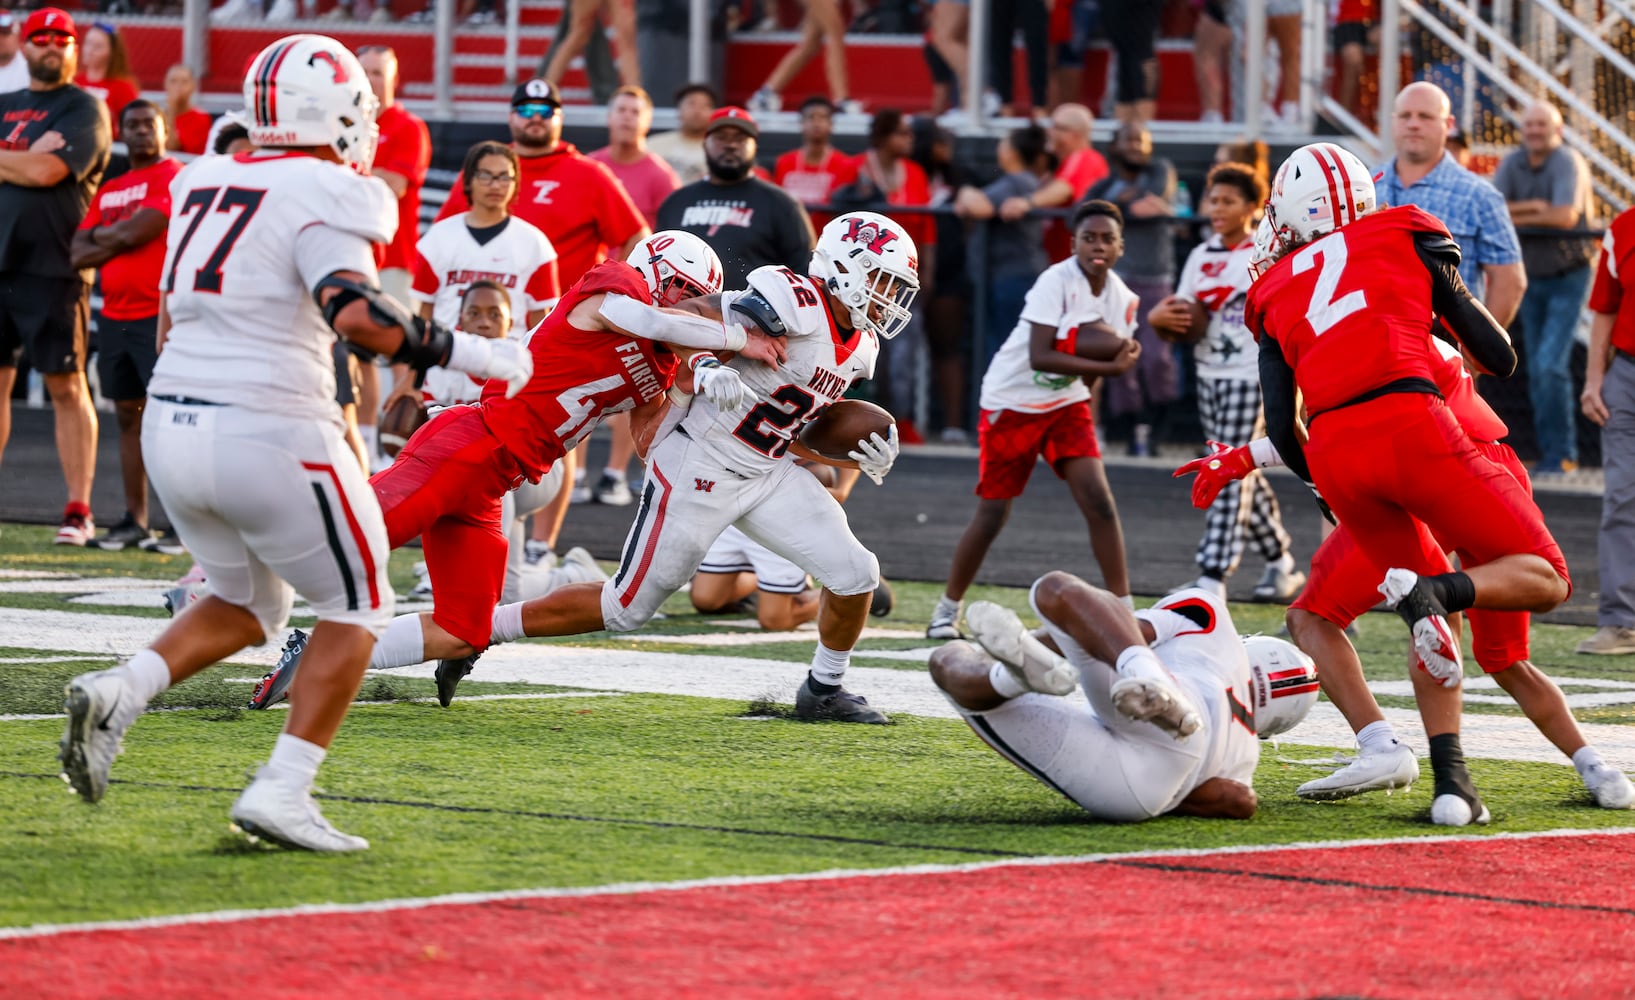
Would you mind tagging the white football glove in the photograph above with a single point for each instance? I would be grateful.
(507, 360)
(875, 455)
(720, 385)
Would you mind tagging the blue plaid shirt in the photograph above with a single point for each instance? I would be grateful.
(1471, 208)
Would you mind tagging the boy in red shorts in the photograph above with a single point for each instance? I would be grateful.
(1036, 403)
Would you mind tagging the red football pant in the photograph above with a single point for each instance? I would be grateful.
(446, 486)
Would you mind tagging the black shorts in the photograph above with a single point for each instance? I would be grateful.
(126, 352)
(49, 319)
(1350, 33)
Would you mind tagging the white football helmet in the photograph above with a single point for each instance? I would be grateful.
(1319, 188)
(1284, 681)
(1265, 253)
(677, 265)
(872, 266)
(309, 90)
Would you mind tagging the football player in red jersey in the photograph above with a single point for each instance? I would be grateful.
(448, 483)
(1343, 315)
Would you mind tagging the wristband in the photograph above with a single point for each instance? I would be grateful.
(703, 361)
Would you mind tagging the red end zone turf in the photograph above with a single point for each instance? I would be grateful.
(1548, 916)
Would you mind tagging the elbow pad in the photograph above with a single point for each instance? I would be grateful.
(426, 343)
(754, 306)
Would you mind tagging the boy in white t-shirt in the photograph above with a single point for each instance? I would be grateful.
(1206, 311)
(1036, 403)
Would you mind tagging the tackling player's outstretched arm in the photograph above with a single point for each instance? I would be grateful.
(1219, 798)
(1043, 356)
(691, 323)
(1467, 319)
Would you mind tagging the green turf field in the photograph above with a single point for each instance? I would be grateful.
(590, 788)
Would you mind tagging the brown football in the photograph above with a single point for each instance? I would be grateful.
(1094, 341)
(399, 422)
(837, 430)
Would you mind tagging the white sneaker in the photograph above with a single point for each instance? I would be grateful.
(1451, 810)
(582, 567)
(283, 812)
(537, 553)
(1610, 787)
(1004, 636)
(1150, 699)
(1434, 641)
(944, 623)
(1396, 767)
(765, 100)
(580, 492)
(101, 706)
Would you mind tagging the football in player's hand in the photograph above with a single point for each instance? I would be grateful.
(402, 417)
(1093, 341)
(838, 429)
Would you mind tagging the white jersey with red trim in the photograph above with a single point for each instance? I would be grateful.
(1199, 644)
(824, 360)
(1216, 277)
(249, 238)
(519, 258)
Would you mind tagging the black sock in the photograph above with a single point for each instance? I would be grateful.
(818, 687)
(1448, 767)
(1454, 591)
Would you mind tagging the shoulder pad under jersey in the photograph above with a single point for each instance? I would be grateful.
(352, 203)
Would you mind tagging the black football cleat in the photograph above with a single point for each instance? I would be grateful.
(275, 685)
(449, 674)
(837, 706)
(884, 600)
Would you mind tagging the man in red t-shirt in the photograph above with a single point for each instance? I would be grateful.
(644, 174)
(813, 172)
(1078, 167)
(187, 129)
(402, 157)
(123, 234)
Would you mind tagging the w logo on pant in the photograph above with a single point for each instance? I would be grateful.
(703, 485)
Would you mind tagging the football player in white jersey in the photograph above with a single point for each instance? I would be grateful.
(1174, 702)
(717, 468)
(269, 257)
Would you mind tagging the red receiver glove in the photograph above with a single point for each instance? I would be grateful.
(1221, 466)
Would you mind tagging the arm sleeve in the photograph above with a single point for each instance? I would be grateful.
(322, 250)
(1461, 314)
(1277, 395)
(682, 329)
(86, 137)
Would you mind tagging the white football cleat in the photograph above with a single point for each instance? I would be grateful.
(1396, 767)
(1453, 810)
(1003, 635)
(282, 811)
(1434, 641)
(101, 706)
(1150, 699)
(1610, 787)
(581, 567)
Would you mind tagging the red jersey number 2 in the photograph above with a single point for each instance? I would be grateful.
(1325, 309)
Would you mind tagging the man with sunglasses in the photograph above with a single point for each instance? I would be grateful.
(13, 67)
(54, 140)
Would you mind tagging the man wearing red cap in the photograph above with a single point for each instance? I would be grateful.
(54, 142)
(747, 221)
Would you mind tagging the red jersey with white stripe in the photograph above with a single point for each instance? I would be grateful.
(1351, 311)
(517, 257)
(1459, 389)
(1614, 292)
(824, 360)
(580, 376)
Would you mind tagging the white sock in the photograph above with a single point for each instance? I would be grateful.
(507, 624)
(614, 473)
(1004, 682)
(1141, 661)
(1376, 736)
(147, 673)
(946, 607)
(1587, 759)
(1285, 562)
(295, 758)
(1128, 601)
(829, 665)
(403, 644)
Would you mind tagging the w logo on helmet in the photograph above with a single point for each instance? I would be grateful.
(335, 65)
(868, 233)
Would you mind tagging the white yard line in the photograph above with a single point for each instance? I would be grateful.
(735, 881)
(544, 696)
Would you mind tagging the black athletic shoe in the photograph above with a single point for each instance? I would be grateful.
(165, 543)
(126, 534)
(884, 600)
(448, 676)
(276, 685)
(837, 706)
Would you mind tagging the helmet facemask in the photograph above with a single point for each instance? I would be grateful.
(882, 305)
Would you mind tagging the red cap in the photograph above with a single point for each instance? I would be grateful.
(49, 19)
(733, 116)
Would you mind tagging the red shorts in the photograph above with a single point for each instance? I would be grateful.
(1010, 442)
(446, 486)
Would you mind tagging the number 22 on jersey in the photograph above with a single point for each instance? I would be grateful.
(1325, 310)
(239, 204)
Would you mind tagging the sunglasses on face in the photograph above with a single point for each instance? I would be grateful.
(540, 110)
(51, 39)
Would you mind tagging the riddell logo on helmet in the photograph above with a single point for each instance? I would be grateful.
(869, 234)
(272, 137)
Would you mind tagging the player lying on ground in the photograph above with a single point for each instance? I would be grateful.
(1174, 701)
(1343, 311)
(269, 257)
(1342, 588)
(448, 484)
(715, 468)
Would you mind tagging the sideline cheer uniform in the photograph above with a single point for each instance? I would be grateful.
(718, 469)
(1028, 414)
(448, 483)
(242, 436)
(1126, 771)
(1349, 315)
